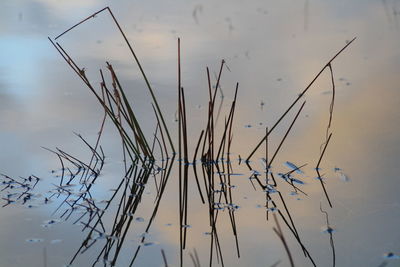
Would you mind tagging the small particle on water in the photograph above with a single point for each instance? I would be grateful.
(328, 230)
(148, 244)
(270, 189)
(273, 209)
(247, 126)
(49, 223)
(233, 207)
(139, 219)
(207, 233)
(168, 224)
(55, 241)
(293, 167)
(297, 181)
(186, 226)
(279, 79)
(391, 256)
(34, 240)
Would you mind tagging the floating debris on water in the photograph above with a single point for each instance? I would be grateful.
(219, 206)
(233, 207)
(336, 169)
(270, 189)
(327, 229)
(148, 244)
(273, 209)
(297, 181)
(262, 104)
(34, 240)
(49, 223)
(293, 167)
(391, 256)
(139, 219)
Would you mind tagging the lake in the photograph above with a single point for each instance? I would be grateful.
(273, 50)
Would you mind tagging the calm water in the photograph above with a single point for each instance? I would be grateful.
(273, 49)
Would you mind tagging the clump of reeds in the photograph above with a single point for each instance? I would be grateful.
(140, 165)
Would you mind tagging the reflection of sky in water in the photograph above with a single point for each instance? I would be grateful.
(273, 50)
